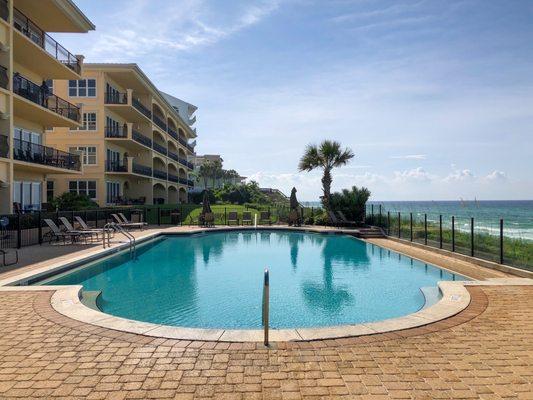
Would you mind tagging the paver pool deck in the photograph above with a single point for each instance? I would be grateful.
(485, 351)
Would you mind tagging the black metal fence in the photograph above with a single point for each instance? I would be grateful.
(458, 234)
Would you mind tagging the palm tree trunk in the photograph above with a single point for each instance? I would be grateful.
(326, 188)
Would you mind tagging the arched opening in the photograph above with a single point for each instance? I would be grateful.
(173, 196)
(158, 117)
(160, 168)
(159, 143)
(172, 128)
(183, 196)
(160, 194)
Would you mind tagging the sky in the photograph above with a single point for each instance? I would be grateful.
(434, 97)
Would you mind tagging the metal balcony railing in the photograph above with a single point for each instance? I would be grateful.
(141, 108)
(27, 27)
(142, 169)
(173, 133)
(159, 148)
(116, 132)
(116, 98)
(4, 78)
(44, 155)
(173, 178)
(4, 146)
(40, 95)
(159, 122)
(190, 183)
(173, 155)
(140, 138)
(116, 166)
(160, 174)
(4, 10)
(183, 181)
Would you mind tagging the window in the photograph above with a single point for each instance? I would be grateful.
(82, 88)
(50, 84)
(28, 136)
(88, 154)
(87, 188)
(89, 122)
(113, 192)
(111, 92)
(112, 126)
(49, 191)
(27, 194)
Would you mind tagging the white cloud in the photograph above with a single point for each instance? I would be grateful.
(459, 175)
(496, 176)
(410, 157)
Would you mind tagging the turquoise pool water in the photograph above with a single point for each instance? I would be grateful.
(214, 280)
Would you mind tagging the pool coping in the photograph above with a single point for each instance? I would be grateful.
(66, 300)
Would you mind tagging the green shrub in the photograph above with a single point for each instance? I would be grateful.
(73, 202)
(352, 202)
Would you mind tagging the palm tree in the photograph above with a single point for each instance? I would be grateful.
(326, 156)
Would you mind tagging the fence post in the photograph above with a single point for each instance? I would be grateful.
(501, 241)
(388, 223)
(145, 212)
(181, 214)
(72, 217)
(40, 230)
(426, 229)
(472, 236)
(453, 233)
(399, 225)
(19, 232)
(159, 215)
(411, 225)
(379, 218)
(372, 208)
(225, 217)
(440, 231)
(96, 219)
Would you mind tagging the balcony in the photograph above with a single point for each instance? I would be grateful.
(192, 120)
(4, 146)
(141, 169)
(4, 10)
(173, 133)
(160, 174)
(113, 132)
(183, 181)
(4, 78)
(159, 122)
(127, 137)
(128, 107)
(174, 156)
(37, 104)
(159, 148)
(190, 183)
(47, 158)
(116, 166)
(140, 138)
(173, 178)
(34, 47)
(184, 143)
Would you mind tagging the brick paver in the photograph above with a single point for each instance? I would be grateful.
(484, 352)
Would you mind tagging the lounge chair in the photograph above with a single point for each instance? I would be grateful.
(141, 224)
(89, 232)
(127, 225)
(209, 219)
(345, 220)
(264, 217)
(246, 218)
(56, 233)
(233, 217)
(84, 227)
(334, 220)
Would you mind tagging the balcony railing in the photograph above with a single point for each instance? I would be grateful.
(4, 10)
(142, 169)
(40, 95)
(183, 181)
(116, 132)
(159, 148)
(160, 174)
(174, 156)
(23, 24)
(39, 154)
(173, 133)
(190, 183)
(140, 138)
(186, 144)
(116, 98)
(115, 166)
(4, 78)
(141, 108)
(159, 122)
(4, 146)
(173, 178)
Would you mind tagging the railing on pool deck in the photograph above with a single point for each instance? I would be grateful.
(266, 305)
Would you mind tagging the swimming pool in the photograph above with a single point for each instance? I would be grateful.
(214, 280)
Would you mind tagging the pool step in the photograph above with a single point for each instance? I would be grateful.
(371, 232)
(90, 297)
(431, 294)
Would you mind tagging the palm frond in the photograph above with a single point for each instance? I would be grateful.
(310, 159)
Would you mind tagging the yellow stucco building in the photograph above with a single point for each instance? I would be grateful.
(29, 56)
(134, 144)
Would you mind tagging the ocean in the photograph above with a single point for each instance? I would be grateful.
(516, 214)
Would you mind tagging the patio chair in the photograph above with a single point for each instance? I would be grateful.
(56, 233)
(68, 226)
(233, 217)
(209, 219)
(141, 224)
(334, 220)
(126, 225)
(246, 218)
(345, 220)
(264, 217)
(84, 227)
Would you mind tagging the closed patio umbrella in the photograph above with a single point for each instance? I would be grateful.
(206, 206)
